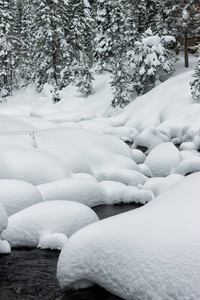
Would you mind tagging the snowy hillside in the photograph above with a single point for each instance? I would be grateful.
(83, 150)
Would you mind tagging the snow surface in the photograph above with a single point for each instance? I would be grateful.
(82, 149)
(47, 224)
(163, 159)
(17, 195)
(4, 246)
(148, 253)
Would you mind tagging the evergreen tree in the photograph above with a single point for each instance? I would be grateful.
(6, 47)
(120, 83)
(23, 27)
(103, 40)
(180, 18)
(49, 43)
(110, 32)
(147, 58)
(81, 45)
(195, 84)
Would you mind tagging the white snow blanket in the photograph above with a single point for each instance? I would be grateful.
(47, 224)
(149, 253)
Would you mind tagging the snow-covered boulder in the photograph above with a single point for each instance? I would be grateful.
(138, 156)
(149, 253)
(188, 165)
(149, 138)
(47, 224)
(17, 195)
(128, 177)
(188, 146)
(31, 165)
(159, 184)
(81, 190)
(117, 192)
(4, 246)
(163, 159)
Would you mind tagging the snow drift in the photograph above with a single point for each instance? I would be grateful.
(151, 252)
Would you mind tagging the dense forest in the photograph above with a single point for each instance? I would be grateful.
(62, 42)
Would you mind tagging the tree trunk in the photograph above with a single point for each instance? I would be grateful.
(186, 49)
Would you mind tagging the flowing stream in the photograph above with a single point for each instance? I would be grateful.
(27, 274)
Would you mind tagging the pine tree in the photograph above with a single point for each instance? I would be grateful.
(23, 27)
(49, 44)
(81, 44)
(195, 83)
(147, 58)
(103, 39)
(120, 83)
(6, 47)
(179, 18)
(110, 32)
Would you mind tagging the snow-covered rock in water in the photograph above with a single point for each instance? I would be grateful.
(159, 184)
(47, 224)
(188, 165)
(144, 169)
(4, 246)
(128, 177)
(31, 165)
(117, 192)
(188, 146)
(186, 153)
(148, 253)
(163, 159)
(149, 138)
(17, 195)
(3, 218)
(81, 190)
(138, 156)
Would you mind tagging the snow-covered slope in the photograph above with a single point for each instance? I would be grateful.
(148, 253)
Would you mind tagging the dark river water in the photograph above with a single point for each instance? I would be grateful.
(31, 273)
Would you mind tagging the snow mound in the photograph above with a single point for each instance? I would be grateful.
(3, 218)
(188, 166)
(17, 195)
(4, 246)
(159, 184)
(84, 151)
(120, 193)
(163, 159)
(128, 177)
(42, 224)
(82, 190)
(128, 134)
(149, 138)
(12, 124)
(30, 165)
(138, 156)
(149, 253)
(52, 241)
